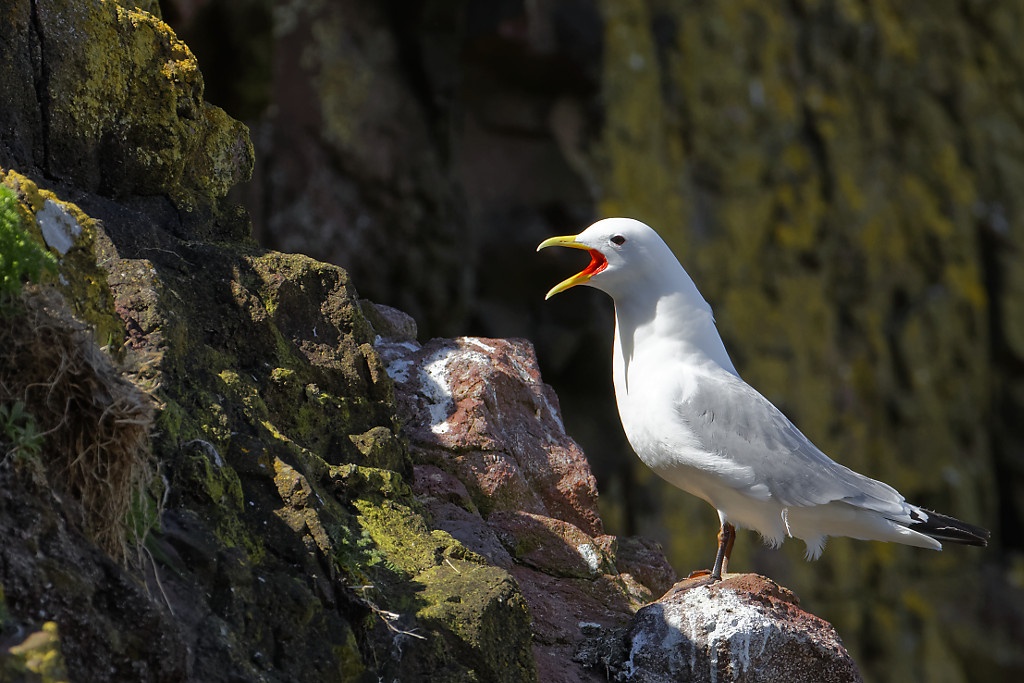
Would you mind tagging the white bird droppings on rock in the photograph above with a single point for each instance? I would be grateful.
(590, 556)
(726, 623)
(475, 341)
(399, 370)
(745, 629)
(434, 387)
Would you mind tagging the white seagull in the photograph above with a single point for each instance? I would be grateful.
(698, 425)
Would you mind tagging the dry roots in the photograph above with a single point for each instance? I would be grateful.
(95, 422)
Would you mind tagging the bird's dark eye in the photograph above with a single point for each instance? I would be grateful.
(619, 240)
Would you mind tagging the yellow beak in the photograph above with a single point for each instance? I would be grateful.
(597, 263)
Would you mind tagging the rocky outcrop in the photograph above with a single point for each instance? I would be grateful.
(285, 549)
(744, 629)
(279, 538)
(477, 408)
(128, 121)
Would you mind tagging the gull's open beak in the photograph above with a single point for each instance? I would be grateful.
(597, 263)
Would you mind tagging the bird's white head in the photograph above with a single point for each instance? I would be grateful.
(632, 264)
(623, 253)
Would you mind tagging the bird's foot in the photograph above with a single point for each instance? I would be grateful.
(703, 577)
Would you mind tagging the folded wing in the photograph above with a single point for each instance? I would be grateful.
(731, 419)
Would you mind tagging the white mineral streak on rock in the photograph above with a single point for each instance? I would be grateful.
(554, 415)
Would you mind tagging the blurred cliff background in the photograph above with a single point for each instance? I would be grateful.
(842, 179)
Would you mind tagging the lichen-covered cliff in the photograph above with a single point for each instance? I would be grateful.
(267, 529)
(263, 476)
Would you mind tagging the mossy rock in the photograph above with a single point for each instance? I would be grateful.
(78, 248)
(133, 120)
(480, 610)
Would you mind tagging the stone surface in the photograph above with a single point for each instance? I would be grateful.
(280, 539)
(745, 628)
(641, 557)
(839, 178)
(478, 409)
(118, 122)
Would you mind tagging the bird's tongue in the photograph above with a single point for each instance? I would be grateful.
(597, 263)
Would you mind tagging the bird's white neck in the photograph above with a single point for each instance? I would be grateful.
(678, 321)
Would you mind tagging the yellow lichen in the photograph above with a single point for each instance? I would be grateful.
(640, 151)
(39, 653)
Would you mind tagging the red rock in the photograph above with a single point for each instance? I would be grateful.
(495, 469)
(552, 546)
(642, 558)
(478, 409)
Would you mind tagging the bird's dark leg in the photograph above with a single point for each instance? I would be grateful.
(726, 539)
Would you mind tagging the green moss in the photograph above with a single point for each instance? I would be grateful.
(169, 420)
(151, 6)
(202, 464)
(381, 448)
(369, 482)
(94, 102)
(472, 614)
(242, 390)
(224, 155)
(350, 662)
(22, 258)
(147, 95)
(83, 282)
(399, 533)
(307, 411)
(481, 610)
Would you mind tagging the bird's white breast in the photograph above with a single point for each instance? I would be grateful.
(653, 375)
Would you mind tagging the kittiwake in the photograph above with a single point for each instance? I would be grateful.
(692, 419)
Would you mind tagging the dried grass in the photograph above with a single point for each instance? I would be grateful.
(95, 421)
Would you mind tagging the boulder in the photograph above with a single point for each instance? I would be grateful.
(478, 409)
(745, 629)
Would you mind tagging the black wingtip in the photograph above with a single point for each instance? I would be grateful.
(945, 528)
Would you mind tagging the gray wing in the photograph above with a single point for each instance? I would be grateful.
(730, 418)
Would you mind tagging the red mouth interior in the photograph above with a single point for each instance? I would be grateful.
(597, 263)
